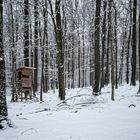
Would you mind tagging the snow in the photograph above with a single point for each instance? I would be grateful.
(84, 117)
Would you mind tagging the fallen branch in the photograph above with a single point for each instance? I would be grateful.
(132, 105)
(45, 109)
(72, 98)
(86, 103)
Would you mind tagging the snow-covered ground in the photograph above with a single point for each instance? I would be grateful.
(83, 117)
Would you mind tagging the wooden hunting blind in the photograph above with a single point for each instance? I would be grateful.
(24, 86)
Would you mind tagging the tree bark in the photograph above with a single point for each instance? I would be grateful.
(97, 48)
(13, 54)
(116, 49)
(46, 75)
(128, 46)
(35, 81)
(134, 45)
(139, 49)
(111, 47)
(103, 42)
(120, 76)
(3, 105)
(26, 32)
(60, 51)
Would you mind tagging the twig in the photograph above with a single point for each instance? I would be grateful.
(72, 98)
(132, 105)
(45, 109)
(80, 91)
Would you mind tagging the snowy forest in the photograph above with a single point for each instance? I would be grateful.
(68, 62)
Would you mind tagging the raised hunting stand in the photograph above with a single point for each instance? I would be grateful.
(24, 83)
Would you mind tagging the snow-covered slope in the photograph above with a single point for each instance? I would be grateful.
(83, 117)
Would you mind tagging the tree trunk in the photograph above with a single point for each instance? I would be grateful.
(111, 47)
(79, 66)
(3, 105)
(120, 77)
(97, 48)
(92, 46)
(46, 75)
(26, 32)
(134, 44)
(116, 49)
(60, 51)
(103, 42)
(64, 26)
(139, 49)
(35, 81)
(83, 63)
(107, 76)
(128, 46)
(13, 55)
(42, 38)
(79, 56)
(73, 52)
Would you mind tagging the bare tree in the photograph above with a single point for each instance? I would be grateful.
(97, 48)
(116, 47)
(139, 49)
(26, 32)
(36, 43)
(13, 52)
(46, 76)
(60, 51)
(3, 105)
(134, 44)
(110, 37)
(103, 42)
(129, 44)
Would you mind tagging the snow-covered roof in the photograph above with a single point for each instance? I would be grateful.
(25, 67)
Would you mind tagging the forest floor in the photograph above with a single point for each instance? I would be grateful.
(82, 117)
